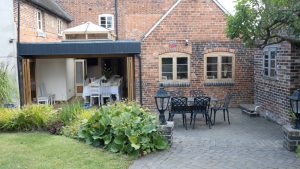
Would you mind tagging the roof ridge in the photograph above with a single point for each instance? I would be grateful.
(170, 10)
(161, 19)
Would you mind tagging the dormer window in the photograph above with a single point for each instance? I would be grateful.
(106, 21)
(59, 26)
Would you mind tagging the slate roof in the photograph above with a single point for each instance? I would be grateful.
(52, 7)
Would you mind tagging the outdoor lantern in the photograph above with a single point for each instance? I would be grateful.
(162, 100)
(295, 105)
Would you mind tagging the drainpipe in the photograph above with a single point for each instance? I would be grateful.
(19, 59)
(140, 78)
(116, 22)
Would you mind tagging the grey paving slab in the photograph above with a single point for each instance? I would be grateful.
(249, 142)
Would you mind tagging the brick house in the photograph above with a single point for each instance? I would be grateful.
(170, 32)
(276, 76)
(182, 46)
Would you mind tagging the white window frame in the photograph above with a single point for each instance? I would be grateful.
(39, 12)
(219, 78)
(174, 56)
(106, 16)
(267, 51)
(59, 26)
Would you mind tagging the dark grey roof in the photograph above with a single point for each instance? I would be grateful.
(71, 48)
(53, 7)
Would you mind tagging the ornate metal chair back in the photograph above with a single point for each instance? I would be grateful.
(178, 104)
(201, 103)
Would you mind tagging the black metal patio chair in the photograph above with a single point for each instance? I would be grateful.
(174, 93)
(179, 106)
(196, 93)
(221, 105)
(201, 106)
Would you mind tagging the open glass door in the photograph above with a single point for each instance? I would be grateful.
(130, 78)
(80, 72)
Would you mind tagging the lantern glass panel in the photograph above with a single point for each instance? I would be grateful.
(162, 103)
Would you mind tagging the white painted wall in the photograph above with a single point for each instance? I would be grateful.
(52, 72)
(7, 48)
(58, 77)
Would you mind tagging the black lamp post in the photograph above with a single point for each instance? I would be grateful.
(295, 104)
(162, 100)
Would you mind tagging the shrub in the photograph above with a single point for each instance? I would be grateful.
(72, 129)
(69, 112)
(125, 128)
(55, 126)
(6, 118)
(31, 117)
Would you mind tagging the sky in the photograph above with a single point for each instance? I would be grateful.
(228, 4)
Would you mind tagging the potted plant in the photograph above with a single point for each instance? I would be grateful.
(107, 71)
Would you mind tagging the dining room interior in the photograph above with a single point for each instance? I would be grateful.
(66, 78)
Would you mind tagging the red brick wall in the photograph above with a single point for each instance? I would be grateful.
(28, 28)
(273, 93)
(87, 10)
(203, 24)
(135, 17)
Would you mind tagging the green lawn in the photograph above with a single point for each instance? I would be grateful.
(44, 151)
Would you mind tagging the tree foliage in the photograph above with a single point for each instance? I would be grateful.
(265, 22)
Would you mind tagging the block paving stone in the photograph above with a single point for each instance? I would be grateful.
(248, 143)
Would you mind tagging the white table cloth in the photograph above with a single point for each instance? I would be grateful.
(112, 87)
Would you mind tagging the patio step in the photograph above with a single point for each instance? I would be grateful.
(250, 109)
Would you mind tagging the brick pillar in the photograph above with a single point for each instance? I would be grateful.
(167, 131)
(291, 137)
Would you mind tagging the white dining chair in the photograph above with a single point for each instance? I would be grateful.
(95, 93)
(105, 92)
(45, 97)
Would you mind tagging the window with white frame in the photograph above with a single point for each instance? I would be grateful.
(59, 26)
(39, 20)
(269, 63)
(174, 67)
(107, 21)
(219, 67)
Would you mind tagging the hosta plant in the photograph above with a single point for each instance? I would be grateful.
(123, 127)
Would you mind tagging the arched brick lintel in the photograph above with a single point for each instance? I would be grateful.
(178, 49)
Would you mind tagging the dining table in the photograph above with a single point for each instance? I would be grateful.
(113, 86)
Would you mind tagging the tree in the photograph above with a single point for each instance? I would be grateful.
(259, 23)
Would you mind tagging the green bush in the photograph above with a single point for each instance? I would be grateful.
(6, 118)
(69, 112)
(125, 128)
(31, 117)
(72, 129)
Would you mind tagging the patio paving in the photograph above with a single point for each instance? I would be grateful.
(249, 142)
